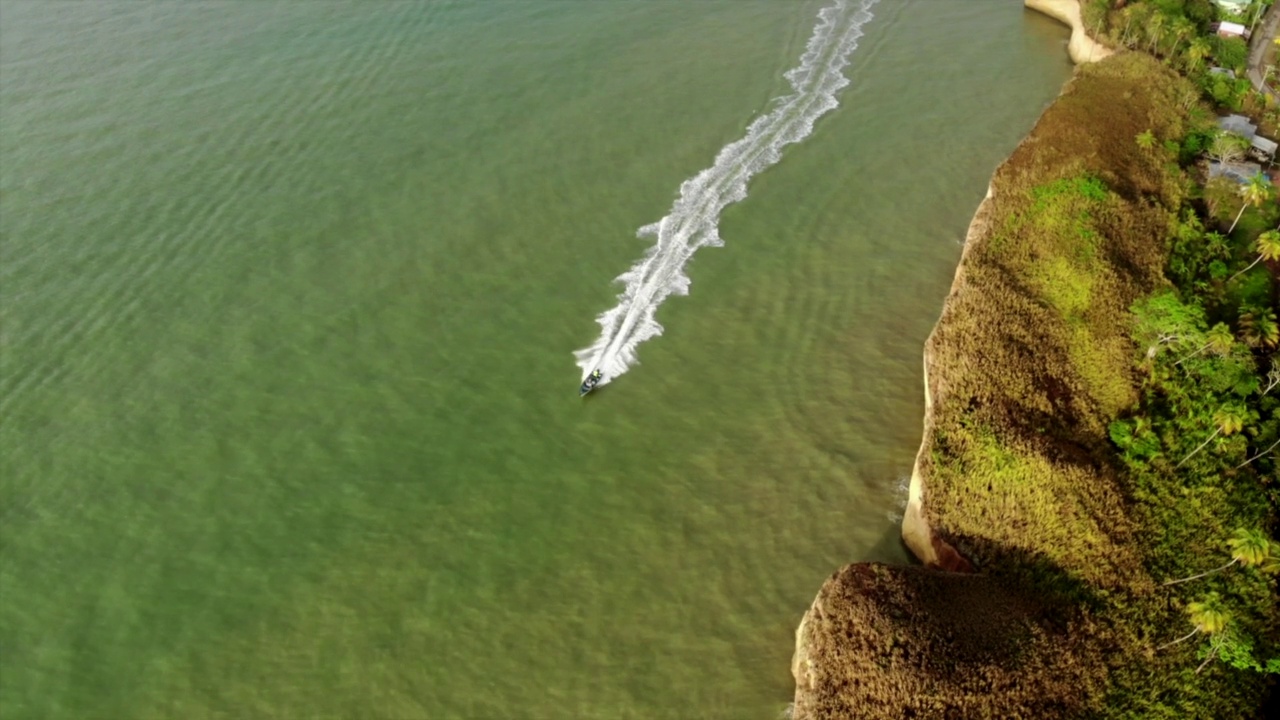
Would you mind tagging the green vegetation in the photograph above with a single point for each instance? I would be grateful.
(1256, 193)
(1268, 246)
(1207, 616)
(1179, 32)
(1211, 618)
(1248, 548)
(1107, 383)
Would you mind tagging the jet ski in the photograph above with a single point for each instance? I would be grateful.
(590, 383)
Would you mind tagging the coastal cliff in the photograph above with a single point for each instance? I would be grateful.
(916, 532)
(1016, 477)
(893, 642)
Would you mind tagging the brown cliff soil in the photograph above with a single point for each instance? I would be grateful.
(1029, 364)
(1031, 359)
(906, 642)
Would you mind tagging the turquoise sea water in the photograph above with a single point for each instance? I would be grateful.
(289, 293)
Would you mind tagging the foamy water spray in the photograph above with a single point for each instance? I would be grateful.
(694, 219)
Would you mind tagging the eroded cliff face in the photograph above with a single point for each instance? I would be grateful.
(919, 537)
(917, 534)
(1013, 476)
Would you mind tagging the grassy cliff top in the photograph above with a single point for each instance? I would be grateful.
(1031, 368)
(1032, 358)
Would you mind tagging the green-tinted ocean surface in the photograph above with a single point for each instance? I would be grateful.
(289, 294)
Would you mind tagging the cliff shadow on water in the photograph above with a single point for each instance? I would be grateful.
(1030, 363)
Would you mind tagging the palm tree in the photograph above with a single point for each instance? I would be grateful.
(1256, 192)
(1271, 563)
(1229, 420)
(1246, 462)
(1131, 13)
(1258, 328)
(1219, 339)
(1156, 27)
(1241, 89)
(1268, 247)
(1146, 139)
(1181, 29)
(1197, 51)
(1248, 548)
(1207, 616)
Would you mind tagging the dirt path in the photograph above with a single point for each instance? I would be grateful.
(1258, 45)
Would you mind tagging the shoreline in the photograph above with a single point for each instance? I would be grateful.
(1081, 47)
(1027, 371)
(879, 639)
(917, 535)
(1033, 374)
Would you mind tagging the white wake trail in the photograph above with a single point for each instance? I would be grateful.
(694, 219)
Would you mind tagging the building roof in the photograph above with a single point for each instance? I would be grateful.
(1230, 28)
(1265, 145)
(1241, 172)
(1238, 124)
(1235, 5)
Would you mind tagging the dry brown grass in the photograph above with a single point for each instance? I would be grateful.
(1031, 359)
(1029, 364)
(905, 642)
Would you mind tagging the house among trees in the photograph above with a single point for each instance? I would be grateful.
(1241, 172)
(1230, 30)
(1238, 124)
(1260, 148)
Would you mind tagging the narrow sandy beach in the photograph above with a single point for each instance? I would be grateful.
(1081, 47)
